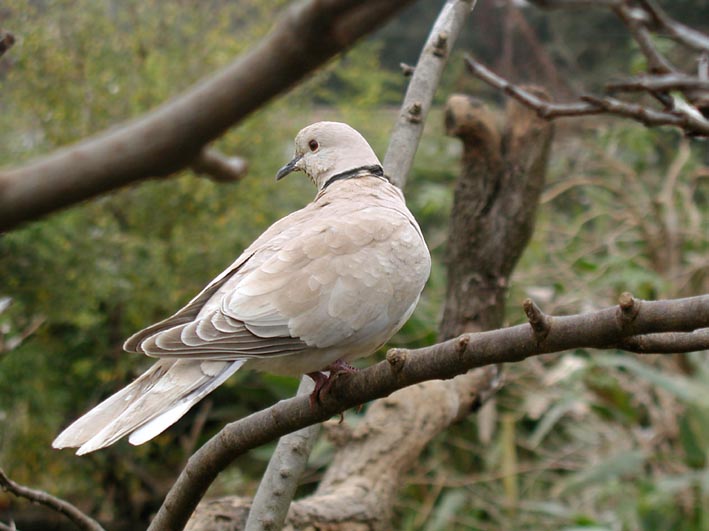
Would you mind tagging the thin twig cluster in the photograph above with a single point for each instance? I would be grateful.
(680, 99)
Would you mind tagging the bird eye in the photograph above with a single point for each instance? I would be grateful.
(313, 145)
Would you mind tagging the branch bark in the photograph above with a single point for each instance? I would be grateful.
(172, 136)
(407, 131)
(603, 329)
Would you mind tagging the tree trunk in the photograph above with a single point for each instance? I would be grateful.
(494, 208)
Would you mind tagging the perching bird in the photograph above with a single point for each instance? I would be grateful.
(323, 286)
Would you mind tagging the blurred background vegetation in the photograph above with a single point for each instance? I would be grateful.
(582, 440)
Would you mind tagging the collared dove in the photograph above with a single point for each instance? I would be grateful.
(323, 286)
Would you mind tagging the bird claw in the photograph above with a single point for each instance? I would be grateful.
(324, 383)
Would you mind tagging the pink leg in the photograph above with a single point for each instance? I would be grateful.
(324, 383)
(319, 379)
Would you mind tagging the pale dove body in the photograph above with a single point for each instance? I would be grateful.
(332, 281)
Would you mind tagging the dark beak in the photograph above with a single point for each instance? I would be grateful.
(288, 168)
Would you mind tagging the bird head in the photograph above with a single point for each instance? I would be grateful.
(326, 149)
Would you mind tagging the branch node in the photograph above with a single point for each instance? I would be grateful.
(414, 112)
(538, 320)
(407, 70)
(218, 167)
(440, 47)
(628, 308)
(462, 344)
(397, 359)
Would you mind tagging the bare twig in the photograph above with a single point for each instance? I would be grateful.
(219, 168)
(170, 137)
(679, 32)
(285, 468)
(692, 123)
(81, 520)
(636, 24)
(575, 4)
(668, 82)
(405, 137)
(441, 361)
(6, 41)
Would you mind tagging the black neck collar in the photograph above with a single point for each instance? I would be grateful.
(361, 171)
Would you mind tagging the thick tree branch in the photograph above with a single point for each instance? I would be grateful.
(407, 131)
(81, 520)
(172, 136)
(603, 329)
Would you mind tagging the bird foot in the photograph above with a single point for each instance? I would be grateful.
(323, 383)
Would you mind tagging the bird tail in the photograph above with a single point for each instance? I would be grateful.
(149, 405)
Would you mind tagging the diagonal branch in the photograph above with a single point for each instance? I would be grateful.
(603, 329)
(170, 137)
(81, 520)
(405, 137)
